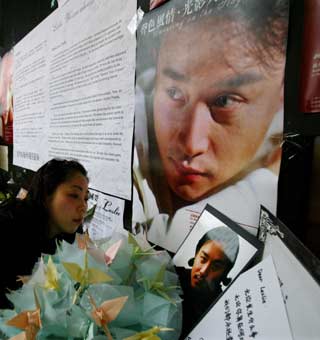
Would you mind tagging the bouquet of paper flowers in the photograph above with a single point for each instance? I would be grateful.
(114, 290)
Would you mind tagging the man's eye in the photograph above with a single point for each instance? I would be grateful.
(226, 101)
(73, 195)
(217, 266)
(175, 94)
(203, 259)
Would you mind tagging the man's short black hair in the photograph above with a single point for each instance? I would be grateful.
(228, 239)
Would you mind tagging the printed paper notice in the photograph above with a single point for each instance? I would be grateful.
(87, 83)
(252, 308)
(30, 98)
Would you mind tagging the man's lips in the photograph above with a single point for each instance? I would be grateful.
(198, 279)
(189, 173)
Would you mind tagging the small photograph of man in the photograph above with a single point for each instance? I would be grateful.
(215, 255)
(210, 258)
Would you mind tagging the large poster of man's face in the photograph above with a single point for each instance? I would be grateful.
(209, 106)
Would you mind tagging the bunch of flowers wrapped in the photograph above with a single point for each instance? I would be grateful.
(116, 290)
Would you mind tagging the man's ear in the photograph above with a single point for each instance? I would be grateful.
(191, 262)
(226, 281)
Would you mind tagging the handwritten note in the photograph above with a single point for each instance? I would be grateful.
(108, 215)
(252, 308)
(300, 291)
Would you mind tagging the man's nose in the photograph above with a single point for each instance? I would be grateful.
(205, 269)
(194, 133)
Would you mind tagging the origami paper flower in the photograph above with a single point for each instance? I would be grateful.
(78, 300)
(107, 312)
(158, 285)
(111, 252)
(85, 276)
(90, 212)
(137, 250)
(29, 321)
(45, 274)
(23, 278)
(149, 334)
(52, 277)
(83, 240)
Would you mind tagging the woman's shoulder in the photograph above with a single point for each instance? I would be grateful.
(15, 211)
(8, 208)
(12, 205)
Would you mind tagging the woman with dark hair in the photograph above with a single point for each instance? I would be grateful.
(53, 210)
(215, 255)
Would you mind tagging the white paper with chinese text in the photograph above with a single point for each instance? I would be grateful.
(252, 308)
(300, 291)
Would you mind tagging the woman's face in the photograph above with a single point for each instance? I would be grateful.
(67, 206)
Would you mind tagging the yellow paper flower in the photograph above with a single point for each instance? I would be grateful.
(86, 275)
(149, 334)
(52, 278)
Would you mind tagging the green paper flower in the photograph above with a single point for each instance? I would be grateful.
(64, 282)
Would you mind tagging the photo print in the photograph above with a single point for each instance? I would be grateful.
(214, 253)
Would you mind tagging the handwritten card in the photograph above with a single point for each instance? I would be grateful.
(252, 308)
(299, 276)
(108, 215)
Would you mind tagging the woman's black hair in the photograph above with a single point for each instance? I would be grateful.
(48, 178)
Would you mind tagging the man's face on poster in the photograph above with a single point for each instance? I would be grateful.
(213, 104)
(209, 266)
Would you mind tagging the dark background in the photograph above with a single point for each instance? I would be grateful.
(297, 175)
